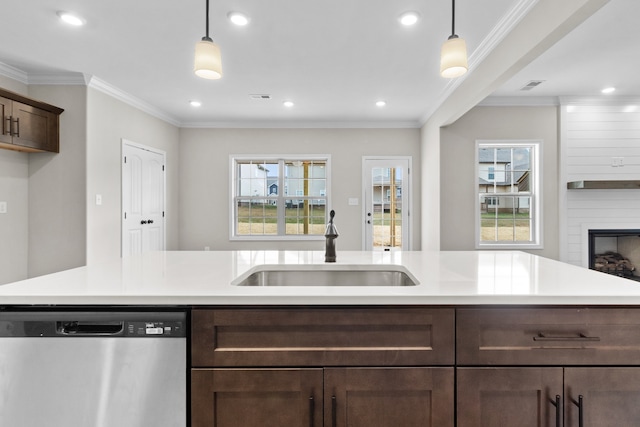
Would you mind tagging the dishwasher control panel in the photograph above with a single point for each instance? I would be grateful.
(155, 329)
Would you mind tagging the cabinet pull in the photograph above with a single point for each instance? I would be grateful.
(334, 416)
(17, 133)
(312, 410)
(7, 131)
(558, 406)
(580, 405)
(143, 222)
(580, 337)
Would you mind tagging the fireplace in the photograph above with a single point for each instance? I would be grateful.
(615, 251)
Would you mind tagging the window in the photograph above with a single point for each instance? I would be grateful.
(279, 197)
(508, 198)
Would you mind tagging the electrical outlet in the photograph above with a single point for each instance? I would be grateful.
(617, 162)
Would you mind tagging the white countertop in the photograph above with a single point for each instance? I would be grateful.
(446, 278)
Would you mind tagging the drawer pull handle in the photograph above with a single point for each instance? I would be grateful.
(580, 405)
(334, 417)
(312, 410)
(579, 337)
(558, 406)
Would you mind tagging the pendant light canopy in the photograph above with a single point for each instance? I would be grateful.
(208, 61)
(453, 57)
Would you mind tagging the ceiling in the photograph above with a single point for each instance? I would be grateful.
(334, 59)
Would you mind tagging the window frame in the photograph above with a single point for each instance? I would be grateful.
(280, 198)
(535, 194)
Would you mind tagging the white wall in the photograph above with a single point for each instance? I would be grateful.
(592, 134)
(457, 170)
(14, 189)
(109, 120)
(204, 178)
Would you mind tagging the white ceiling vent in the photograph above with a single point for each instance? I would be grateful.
(260, 96)
(531, 84)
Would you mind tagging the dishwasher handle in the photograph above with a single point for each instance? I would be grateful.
(84, 328)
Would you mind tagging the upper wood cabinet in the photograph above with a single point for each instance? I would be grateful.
(27, 124)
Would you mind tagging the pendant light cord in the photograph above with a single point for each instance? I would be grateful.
(453, 17)
(207, 21)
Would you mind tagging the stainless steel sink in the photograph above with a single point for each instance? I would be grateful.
(320, 275)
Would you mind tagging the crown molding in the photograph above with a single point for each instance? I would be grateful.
(13, 73)
(303, 125)
(607, 100)
(106, 88)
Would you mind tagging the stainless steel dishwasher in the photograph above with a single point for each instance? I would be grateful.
(92, 368)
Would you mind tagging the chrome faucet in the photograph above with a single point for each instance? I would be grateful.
(331, 234)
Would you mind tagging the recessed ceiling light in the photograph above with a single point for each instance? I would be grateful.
(71, 18)
(288, 104)
(409, 18)
(608, 90)
(195, 103)
(239, 19)
(380, 104)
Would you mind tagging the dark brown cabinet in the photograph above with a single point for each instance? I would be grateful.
(523, 397)
(548, 397)
(333, 367)
(586, 373)
(331, 397)
(28, 125)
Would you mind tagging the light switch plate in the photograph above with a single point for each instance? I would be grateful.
(3, 207)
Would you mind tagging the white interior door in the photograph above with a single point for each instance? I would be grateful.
(143, 199)
(386, 202)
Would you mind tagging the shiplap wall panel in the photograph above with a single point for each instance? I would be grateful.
(592, 136)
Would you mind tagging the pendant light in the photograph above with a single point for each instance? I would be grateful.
(208, 61)
(453, 57)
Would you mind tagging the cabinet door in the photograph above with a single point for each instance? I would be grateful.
(34, 128)
(5, 114)
(256, 397)
(610, 397)
(388, 397)
(523, 397)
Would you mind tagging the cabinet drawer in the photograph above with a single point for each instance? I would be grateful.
(322, 336)
(548, 336)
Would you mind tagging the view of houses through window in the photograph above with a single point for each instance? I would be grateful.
(507, 193)
(280, 197)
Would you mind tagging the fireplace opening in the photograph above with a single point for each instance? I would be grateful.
(615, 252)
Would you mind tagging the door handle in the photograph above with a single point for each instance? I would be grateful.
(334, 416)
(312, 410)
(558, 406)
(580, 405)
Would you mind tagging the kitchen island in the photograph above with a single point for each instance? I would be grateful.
(445, 278)
(483, 339)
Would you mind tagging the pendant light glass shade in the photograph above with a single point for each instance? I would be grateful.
(453, 57)
(208, 60)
